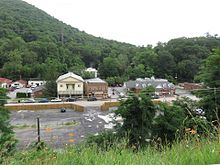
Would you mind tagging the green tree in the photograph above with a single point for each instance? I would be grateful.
(169, 120)
(138, 113)
(210, 74)
(52, 70)
(87, 75)
(193, 119)
(139, 71)
(109, 67)
(165, 64)
(7, 140)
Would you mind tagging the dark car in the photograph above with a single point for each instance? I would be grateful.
(92, 98)
(43, 100)
(62, 110)
(71, 99)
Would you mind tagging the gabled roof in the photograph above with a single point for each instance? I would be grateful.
(91, 70)
(95, 80)
(5, 80)
(156, 83)
(38, 88)
(22, 81)
(69, 74)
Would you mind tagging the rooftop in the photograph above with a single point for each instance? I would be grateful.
(95, 80)
(69, 74)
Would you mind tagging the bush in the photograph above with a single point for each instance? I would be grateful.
(22, 95)
(105, 140)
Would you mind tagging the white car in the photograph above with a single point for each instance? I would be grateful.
(56, 100)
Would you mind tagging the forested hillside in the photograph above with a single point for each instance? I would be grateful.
(34, 44)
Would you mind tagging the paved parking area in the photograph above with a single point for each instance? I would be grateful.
(57, 129)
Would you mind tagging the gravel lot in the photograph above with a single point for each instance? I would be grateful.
(57, 129)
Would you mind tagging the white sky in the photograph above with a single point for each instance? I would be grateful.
(139, 22)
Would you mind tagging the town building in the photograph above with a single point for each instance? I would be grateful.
(38, 91)
(162, 86)
(5, 83)
(19, 84)
(96, 87)
(191, 86)
(92, 70)
(35, 83)
(69, 85)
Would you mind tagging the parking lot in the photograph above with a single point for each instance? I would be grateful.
(57, 129)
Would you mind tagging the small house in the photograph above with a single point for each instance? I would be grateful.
(19, 84)
(35, 83)
(5, 83)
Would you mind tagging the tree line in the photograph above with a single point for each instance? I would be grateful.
(36, 45)
(146, 123)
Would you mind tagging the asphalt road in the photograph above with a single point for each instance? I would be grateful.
(57, 129)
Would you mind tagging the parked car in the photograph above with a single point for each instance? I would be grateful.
(122, 98)
(44, 100)
(70, 99)
(155, 96)
(56, 100)
(92, 98)
(28, 101)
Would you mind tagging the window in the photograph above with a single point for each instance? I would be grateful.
(61, 86)
(79, 86)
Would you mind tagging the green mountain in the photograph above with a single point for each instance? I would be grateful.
(32, 43)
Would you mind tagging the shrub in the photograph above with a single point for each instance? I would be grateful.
(22, 95)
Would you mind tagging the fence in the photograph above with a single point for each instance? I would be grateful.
(107, 105)
(42, 106)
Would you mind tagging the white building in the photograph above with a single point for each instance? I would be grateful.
(92, 70)
(69, 85)
(36, 83)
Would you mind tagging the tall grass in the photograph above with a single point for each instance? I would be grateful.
(182, 153)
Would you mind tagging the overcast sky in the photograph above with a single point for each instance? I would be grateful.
(139, 22)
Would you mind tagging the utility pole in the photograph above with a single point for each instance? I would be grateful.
(38, 130)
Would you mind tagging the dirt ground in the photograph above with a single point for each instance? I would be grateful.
(56, 129)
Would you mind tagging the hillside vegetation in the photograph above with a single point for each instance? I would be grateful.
(31, 41)
(34, 44)
(184, 153)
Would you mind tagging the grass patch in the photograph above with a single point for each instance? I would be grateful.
(23, 126)
(72, 123)
(182, 153)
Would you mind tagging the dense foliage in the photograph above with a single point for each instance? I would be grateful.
(7, 140)
(34, 44)
(138, 114)
(145, 121)
(31, 40)
(210, 75)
